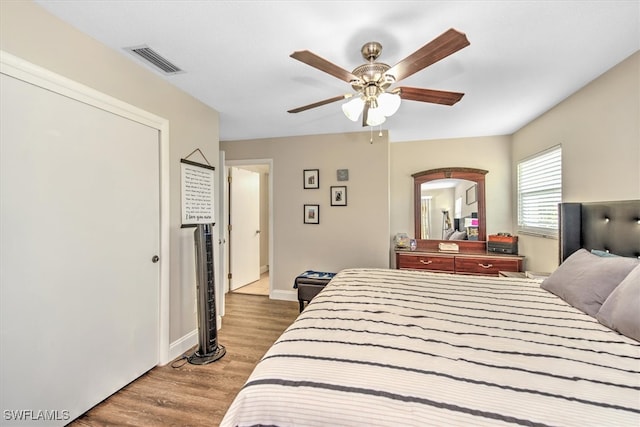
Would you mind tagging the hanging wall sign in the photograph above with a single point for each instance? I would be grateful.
(197, 193)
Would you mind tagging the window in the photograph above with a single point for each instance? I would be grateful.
(458, 208)
(425, 212)
(539, 192)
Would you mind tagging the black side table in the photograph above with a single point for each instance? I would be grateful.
(309, 284)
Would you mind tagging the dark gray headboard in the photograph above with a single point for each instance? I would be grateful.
(608, 226)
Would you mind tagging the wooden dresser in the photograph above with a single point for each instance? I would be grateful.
(475, 263)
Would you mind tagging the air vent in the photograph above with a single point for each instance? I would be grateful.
(154, 58)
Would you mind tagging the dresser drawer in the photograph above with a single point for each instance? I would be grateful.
(485, 265)
(426, 262)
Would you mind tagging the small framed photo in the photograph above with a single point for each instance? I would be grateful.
(472, 194)
(311, 178)
(339, 195)
(312, 214)
(342, 174)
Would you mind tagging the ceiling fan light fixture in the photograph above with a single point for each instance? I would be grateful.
(375, 117)
(388, 103)
(353, 108)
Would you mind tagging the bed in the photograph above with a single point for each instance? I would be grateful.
(412, 348)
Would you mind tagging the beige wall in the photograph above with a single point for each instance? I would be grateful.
(599, 129)
(356, 235)
(29, 32)
(488, 153)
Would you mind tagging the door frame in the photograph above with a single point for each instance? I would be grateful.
(268, 162)
(33, 74)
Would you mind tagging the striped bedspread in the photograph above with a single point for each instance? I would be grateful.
(406, 348)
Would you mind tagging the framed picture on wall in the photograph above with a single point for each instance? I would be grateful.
(339, 195)
(312, 214)
(472, 194)
(311, 178)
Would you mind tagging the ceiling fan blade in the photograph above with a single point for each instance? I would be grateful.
(320, 103)
(430, 95)
(322, 64)
(439, 48)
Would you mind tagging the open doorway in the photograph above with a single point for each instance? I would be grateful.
(249, 234)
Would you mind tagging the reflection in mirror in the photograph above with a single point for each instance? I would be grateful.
(449, 204)
(449, 210)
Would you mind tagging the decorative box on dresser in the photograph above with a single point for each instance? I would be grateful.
(475, 263)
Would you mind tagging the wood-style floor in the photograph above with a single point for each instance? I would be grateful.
(193, 395)
(259, 287)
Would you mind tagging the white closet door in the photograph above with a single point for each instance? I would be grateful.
(79, 228)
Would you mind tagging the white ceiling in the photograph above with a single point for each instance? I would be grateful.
(524, 58)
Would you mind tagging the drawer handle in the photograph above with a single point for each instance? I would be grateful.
(425, 262)
(486, 265)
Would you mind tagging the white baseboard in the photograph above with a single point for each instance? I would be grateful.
(182, 344)
(264, 269)
(284, 295)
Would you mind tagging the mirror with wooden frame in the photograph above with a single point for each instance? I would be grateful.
(449, 204)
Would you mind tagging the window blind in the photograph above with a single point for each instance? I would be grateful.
(539, 192)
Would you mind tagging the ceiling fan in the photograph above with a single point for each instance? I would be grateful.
(372, 80)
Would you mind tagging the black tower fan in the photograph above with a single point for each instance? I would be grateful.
(208, 350)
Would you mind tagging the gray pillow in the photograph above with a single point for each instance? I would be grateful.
(458, 235)
(620, 311)
(585, 280)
